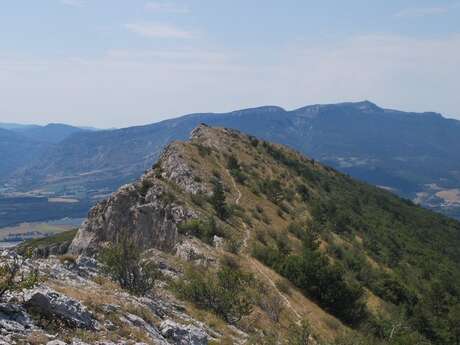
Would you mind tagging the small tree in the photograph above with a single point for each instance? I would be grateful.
(225, 292)
(218, 201)
(123, 262)
(13, 277)
(232, 163)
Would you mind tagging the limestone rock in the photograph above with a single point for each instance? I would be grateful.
(49, 303)
(14, 318)
(148, 219)
(137, 321)
(183, 334)
(54, 249)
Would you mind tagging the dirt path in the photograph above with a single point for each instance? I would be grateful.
(256, 264)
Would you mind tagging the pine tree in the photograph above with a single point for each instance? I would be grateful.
(218, 201)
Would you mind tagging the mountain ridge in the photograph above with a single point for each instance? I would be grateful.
(413, 154)
(274, 199)
(231, 239)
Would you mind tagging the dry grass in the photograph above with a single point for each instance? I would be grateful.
(37, 338)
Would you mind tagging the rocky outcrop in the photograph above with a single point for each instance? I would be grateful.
(48, 303)
(14, 321)
(143, 212)
(54, 249)
(147, 211)
(136, 321)
(183, 334)
(174, 167)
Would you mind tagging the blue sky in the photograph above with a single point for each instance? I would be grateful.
(124, 62)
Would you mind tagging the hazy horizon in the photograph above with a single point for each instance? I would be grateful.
(106, 64)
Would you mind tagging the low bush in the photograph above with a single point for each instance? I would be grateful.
(123, 262)
(12, 278)
(205, 230)
(300, 334)
(226, 292)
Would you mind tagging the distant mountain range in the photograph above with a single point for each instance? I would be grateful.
(416, 155)
(51, 133)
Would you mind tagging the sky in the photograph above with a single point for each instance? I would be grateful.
(117, 63)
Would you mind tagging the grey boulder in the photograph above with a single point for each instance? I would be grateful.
(183, 334)
(49, 303)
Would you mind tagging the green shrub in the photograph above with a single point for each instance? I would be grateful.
(124, 264)
(239, 176)
(218, 201)
(315, 276)
(273, 190)
(254, 141)
(198, 199)
(303, 192)
(283, 286)
(300, 334)
(12, 278)
(203, 151)
(232, 163)
(205, 230)
(233, 245)
(225, 292)
(145, 186)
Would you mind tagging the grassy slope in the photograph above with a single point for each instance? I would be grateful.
(401, 250)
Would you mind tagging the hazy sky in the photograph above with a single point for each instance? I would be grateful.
(113, 63)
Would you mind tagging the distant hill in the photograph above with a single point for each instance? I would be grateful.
(21, 144)
(51, 133)
(416, 155)
(17, 151)
(16, 126)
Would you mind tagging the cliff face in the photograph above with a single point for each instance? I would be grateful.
(150, 209)
(147, 211)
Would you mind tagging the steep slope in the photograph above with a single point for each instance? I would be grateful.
(354, 252)
(415, 155)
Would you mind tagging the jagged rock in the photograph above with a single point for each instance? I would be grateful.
(110, 308)
(54, 249)
(11, 326)
(183, 334)
(47, 302)
(150, 220)
(191, 249)
(218, 242)
(87, 266)
(14, 317)
(176, 168)
(139, 322)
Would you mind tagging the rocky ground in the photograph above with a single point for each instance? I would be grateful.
(75, 304)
